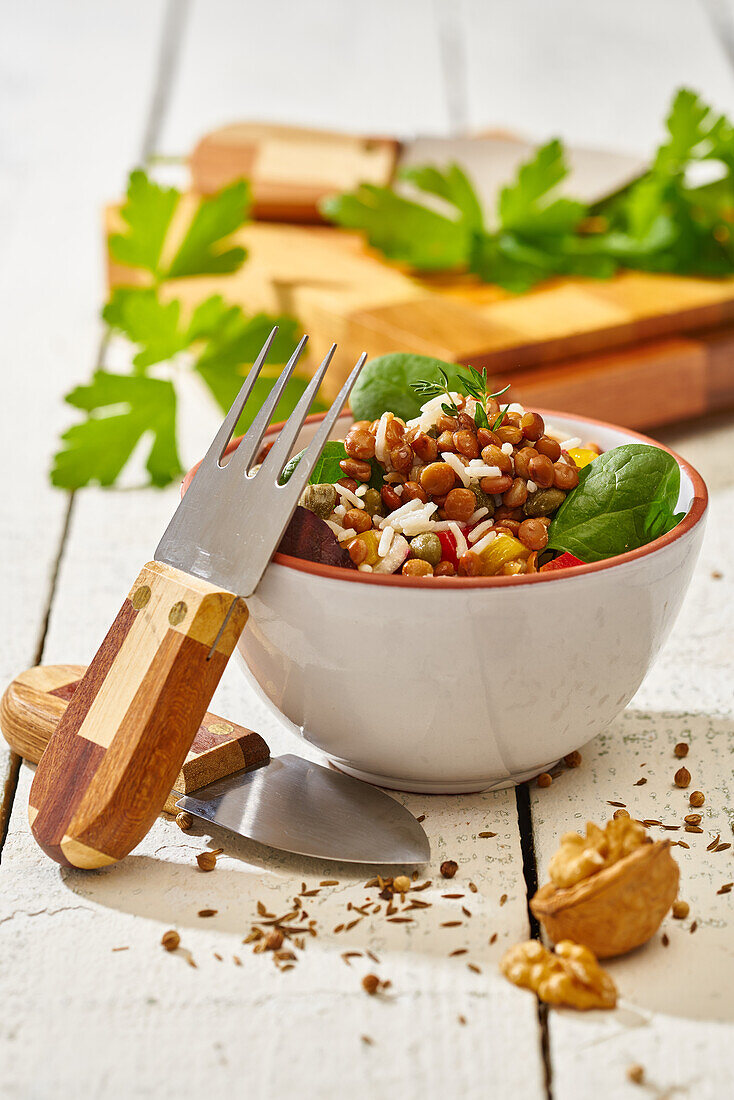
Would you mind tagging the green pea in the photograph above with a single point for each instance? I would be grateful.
(426, 547)
(372, 502)
(319, 499)
(544, 502)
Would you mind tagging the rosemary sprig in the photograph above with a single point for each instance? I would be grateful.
(474, 384)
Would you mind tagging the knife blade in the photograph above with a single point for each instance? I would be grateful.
(299, 806)
(289, 803)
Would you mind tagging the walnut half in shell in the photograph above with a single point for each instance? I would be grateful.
(620, 901)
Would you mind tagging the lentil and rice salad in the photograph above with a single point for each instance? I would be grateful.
(469, 488)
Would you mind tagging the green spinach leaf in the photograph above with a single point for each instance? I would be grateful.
(327, 470)
(624, 499)
(386, 385)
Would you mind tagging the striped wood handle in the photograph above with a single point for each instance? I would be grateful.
(120, 745)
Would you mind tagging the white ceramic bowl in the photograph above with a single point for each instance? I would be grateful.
(466, 684)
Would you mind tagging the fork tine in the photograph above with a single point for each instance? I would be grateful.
(279, 452)
(250, 442)
(302, 472)
(223, 436)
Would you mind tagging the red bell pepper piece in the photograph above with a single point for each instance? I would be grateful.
(566, 561)
(448, 548)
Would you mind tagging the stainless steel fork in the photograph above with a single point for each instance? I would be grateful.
(113, 758)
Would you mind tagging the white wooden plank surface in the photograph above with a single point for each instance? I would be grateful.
(682, 995)
(318, 63)
(597, 73)
(71, 124)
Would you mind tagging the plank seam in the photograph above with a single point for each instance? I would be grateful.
(174, 26)
(530, 874)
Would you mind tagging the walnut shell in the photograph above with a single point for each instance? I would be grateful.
(616, 909)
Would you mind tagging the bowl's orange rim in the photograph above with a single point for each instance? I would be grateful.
(334, 572)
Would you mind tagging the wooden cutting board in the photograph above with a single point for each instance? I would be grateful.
(639, 348)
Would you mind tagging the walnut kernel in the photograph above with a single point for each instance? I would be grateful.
(571, 976)
(579, 857)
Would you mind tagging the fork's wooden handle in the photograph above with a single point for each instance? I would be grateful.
(120, 745)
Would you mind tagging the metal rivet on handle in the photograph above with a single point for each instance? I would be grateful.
(178, 613)
(141, 596)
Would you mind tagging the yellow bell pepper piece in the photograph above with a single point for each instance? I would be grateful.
(371, 541)
(501, 550)
(582, 456)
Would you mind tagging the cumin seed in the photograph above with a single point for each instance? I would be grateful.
(451, 923)
(458, 951)
(329, 882)
(473, 967)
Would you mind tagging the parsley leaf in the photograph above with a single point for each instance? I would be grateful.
(526, 206)
(146, 321)
(407, 231)
(148, 212)
(121, 410)
(201, 251)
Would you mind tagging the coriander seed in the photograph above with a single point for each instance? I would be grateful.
(545, 779)
(207, 861)
(681, 909)
(184, 821)
(449, 867)
(692, 819)
(697, 799)
(621, 813)
(682, 777)
(274, 940)
(636, 1074)
(401, 884)
(170, 940)
(573, 759)
(370, 984)
(681, 749)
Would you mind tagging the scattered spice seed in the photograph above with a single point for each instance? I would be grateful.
(693, 927)
(451, 923)
(692, 819)
(401, 920)
(621, 813)
(370, 984)
(681, 909)
(425, 885)
(473, 887)
(672, 828)
(693, 829)
(449, 867)
(401, 884)
(503, 899)
(682, 844)
(682, 778)
(462, 1020)
(722, 847)
(170, 940)
(207, 912)
(710, 847)
(368, 1042)
(458, 951)
(452, 896)
(493, 938)
(352, 924)
(716, 574)
(664, 939)
(544, 779)
(649, 821)
(329, 882)
(485, 834)
(474, 968)
(636, 1074)
(184, 821)
(465, 911)
(373, 956)
(681, 750)
(573, 759)
(725, 889)
(218, 956)
(127, 948)
(615, 803)
(207, 861)
(697, 799)
(641, 782)
(237, 960)
(274, 940)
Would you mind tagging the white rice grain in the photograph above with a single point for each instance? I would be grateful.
(475, 518)
(480, 530)
(532, 487)
(364, 567)
(385, 540)
(347, 494)
(478, 547)
(457, 465)
(461, 543)
(569, 444)
(361, 490)
(346, 533)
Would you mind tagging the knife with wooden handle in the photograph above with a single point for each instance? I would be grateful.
(35, 701)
